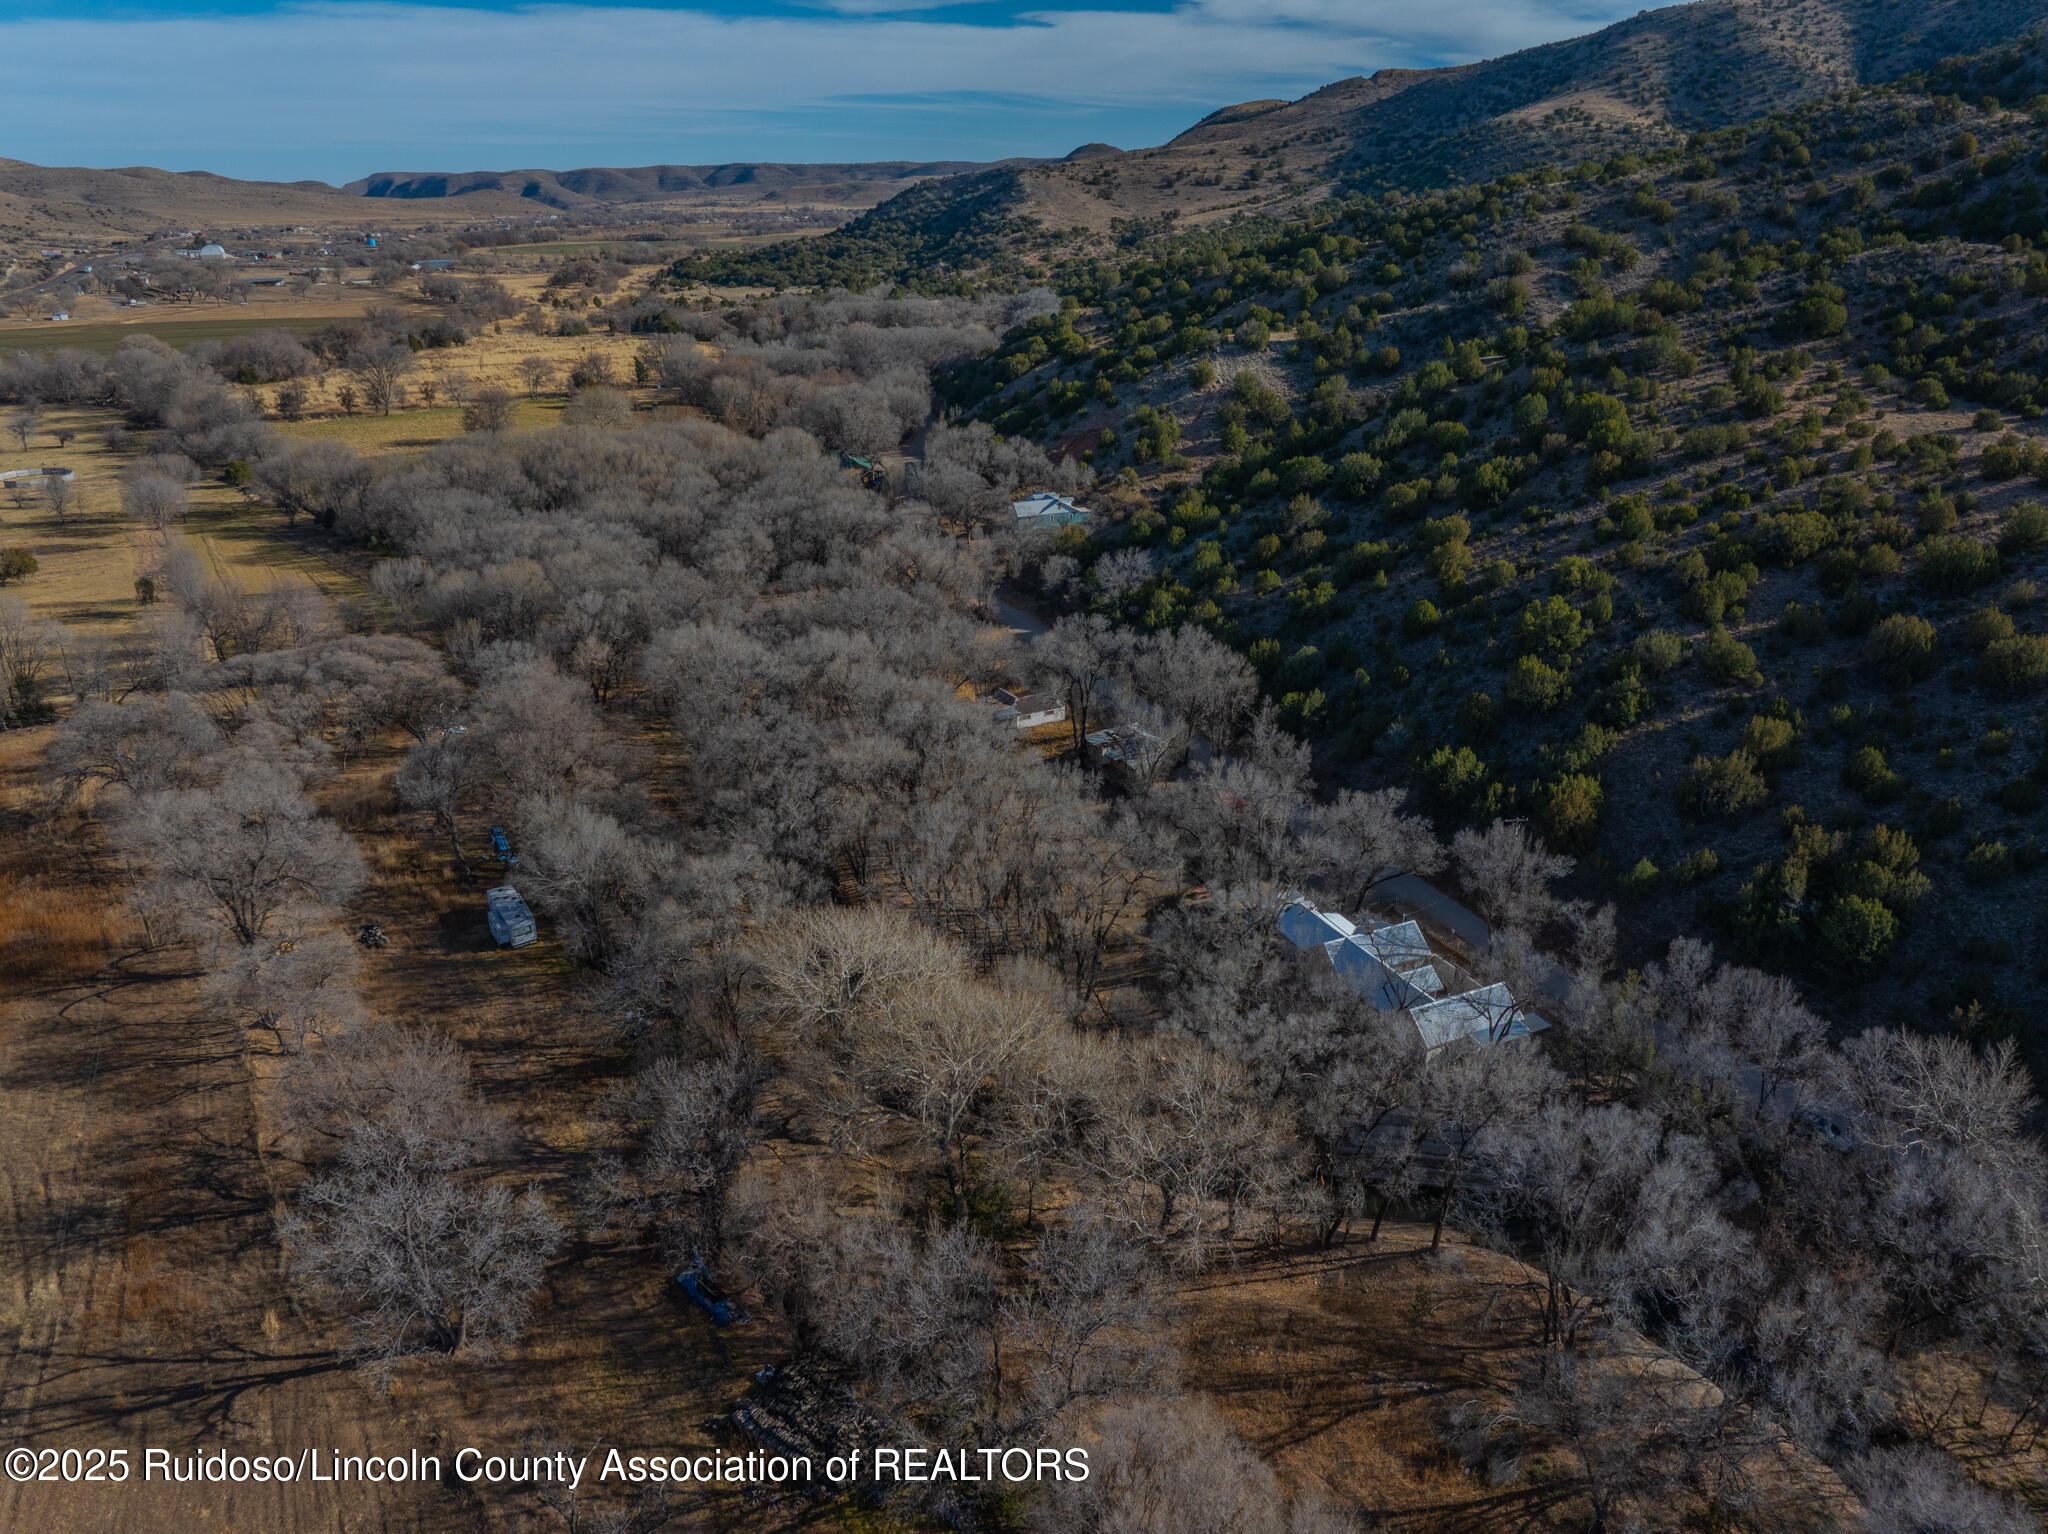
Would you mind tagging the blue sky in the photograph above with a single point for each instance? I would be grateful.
(335, 89)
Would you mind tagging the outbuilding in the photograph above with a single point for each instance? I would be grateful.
(511, 921)
(1028, 710)
(1044, 509)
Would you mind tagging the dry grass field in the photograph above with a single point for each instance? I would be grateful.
(90, 557)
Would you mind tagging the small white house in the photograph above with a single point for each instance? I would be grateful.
(1028, 710)
(1044, 509)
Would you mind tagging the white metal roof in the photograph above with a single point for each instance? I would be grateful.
(1306, 927)
(1369, 977)
(1044, 503)
(1489, 1015)
(1393, 968)
(1401, 946)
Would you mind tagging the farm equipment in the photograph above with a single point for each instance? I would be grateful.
(872, 476)
(694, 1286)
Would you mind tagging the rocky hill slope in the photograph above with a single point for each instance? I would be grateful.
(1640, 84)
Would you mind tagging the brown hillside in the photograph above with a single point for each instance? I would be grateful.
(1640, 81)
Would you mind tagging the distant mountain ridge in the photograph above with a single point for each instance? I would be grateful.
(1635, 85)
(75, 204)
(573, 190)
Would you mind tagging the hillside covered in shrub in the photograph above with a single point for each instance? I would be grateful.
(1686, 502)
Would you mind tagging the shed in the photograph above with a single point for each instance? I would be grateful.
(1128, 748)
(511, 921)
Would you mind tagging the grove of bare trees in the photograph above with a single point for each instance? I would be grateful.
(1053, 1053)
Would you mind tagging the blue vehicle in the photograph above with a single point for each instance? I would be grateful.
(502, 845)
(696, 1287)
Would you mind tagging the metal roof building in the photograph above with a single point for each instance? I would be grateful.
(1044, 509)
(1392, 965)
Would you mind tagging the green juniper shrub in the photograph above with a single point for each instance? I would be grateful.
(1900, 650)
(1988, 863)
(1700, 864)
(1727, 660)
(2026, 528)
(1568, 811)
(1722, 787)
(1658, 651)
(1533, 685)
(2015, 665)
(1944, 817)
(1867, 772)
(1985, 627)
(1954, 565)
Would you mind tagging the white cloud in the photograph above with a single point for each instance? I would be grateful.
(338, 90)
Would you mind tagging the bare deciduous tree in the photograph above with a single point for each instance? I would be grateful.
(1165, 1465)
(600, 407)
(152, 497)
(1364, 839)
(300, 985)
(436, 776)
(1921, 1490)
(1205, 688)
(324, 479)
(1083, 654)
(490, 410)
(1509, 872)
(404, 1236)
(379, 370)
(422, 1260)
(1082, 1325)
(586, 871)
(238, 855)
